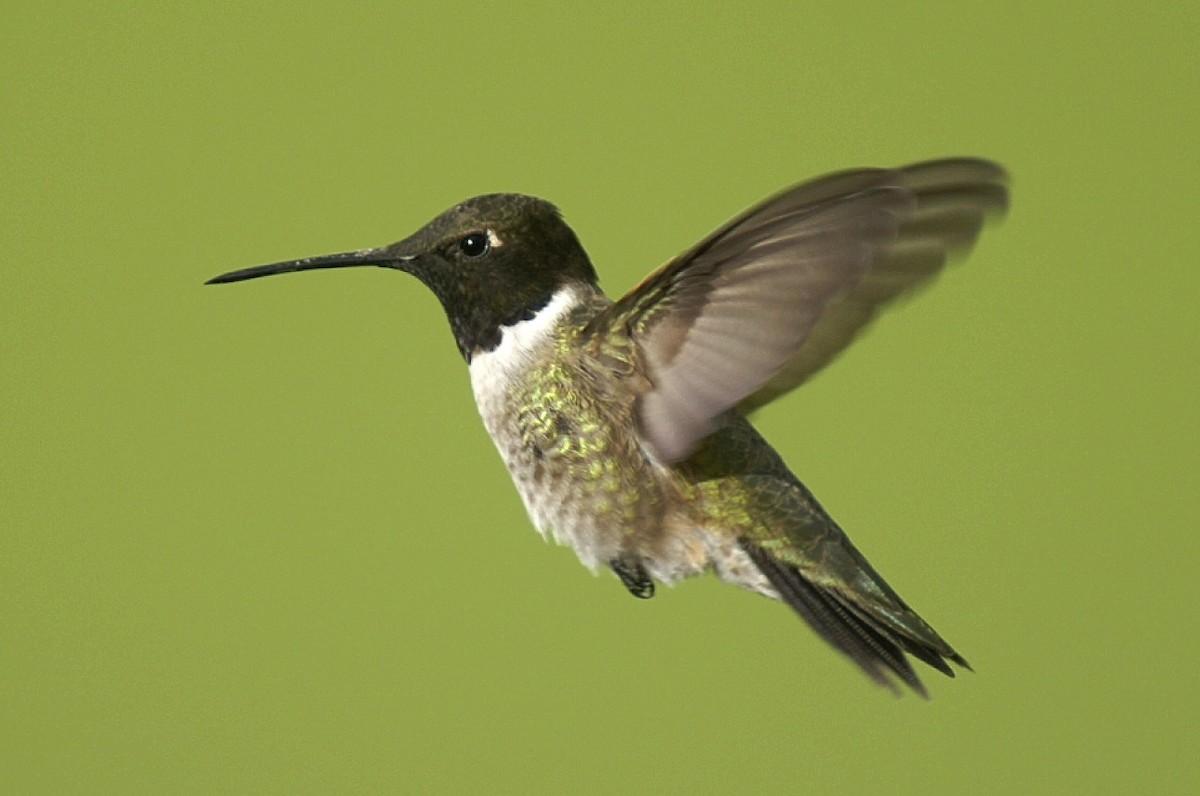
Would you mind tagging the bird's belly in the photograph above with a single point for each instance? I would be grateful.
(574, 458)
(575, 489)
(606, 508)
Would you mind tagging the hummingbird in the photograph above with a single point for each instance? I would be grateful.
(624, 424)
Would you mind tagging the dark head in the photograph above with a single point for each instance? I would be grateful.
(492, 261)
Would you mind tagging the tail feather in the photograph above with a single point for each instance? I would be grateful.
(877, 649)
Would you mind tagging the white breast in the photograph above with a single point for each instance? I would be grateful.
(493, 372)
(495, 376)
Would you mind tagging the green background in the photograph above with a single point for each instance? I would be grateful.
(254, 537)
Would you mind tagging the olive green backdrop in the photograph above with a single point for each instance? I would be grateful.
(254, 538)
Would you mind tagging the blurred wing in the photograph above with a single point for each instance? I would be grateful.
(953, 199)
(722, 321)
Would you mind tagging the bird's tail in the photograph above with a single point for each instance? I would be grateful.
(874, 637)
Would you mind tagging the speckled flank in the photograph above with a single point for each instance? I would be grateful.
(583, 485)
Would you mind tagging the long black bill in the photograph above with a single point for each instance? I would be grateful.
(378, 257)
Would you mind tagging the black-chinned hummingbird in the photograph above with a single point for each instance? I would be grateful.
(624, 424)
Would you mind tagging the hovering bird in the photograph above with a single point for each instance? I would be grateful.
(624, 424)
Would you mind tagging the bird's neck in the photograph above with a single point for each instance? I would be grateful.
(518, 346)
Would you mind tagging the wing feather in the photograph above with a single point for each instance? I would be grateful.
(771, 297)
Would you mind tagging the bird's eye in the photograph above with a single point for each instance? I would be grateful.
(475, 245)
